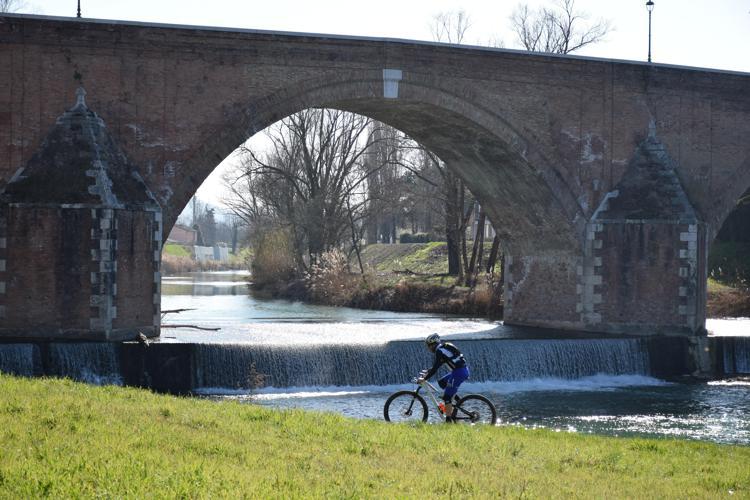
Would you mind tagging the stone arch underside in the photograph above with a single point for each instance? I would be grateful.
(528, 201)
(725, 205)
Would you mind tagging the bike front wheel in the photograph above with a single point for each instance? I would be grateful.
(405, 406)
(475, 409)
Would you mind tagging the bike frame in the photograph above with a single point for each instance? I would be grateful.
(432, 392)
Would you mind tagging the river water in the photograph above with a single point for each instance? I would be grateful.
(348, 361)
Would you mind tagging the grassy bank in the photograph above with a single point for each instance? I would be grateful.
(62, 439)
(176, 259)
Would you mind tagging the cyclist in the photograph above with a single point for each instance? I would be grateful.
(446, 353)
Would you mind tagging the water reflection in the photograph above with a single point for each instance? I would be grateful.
(204, 284)
(223, 300)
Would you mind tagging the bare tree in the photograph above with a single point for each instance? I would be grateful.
(312, 181)
(450, 27)
(12, 5)
(385, 184)
(559, 29)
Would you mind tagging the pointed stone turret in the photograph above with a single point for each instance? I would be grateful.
(645, 243)
(79, 163)
(76, 222)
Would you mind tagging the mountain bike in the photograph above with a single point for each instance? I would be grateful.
(405, 406)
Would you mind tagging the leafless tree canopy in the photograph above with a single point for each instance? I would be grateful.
(450, 27)
(559, 29)
(313, 181)
(11, 5)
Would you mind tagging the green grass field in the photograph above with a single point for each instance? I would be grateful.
(176, 250)
(62, 439)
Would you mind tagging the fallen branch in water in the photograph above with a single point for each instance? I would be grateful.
(192, 326)
(168, 311)
(195, 327)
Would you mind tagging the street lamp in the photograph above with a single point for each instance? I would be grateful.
(650, 7)
(79, 9)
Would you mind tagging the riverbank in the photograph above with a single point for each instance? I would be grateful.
(177, 259)
(400, 278)
(727, 302)
(64, 439)
(413, 278)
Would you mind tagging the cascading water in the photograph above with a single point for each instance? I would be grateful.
(91, 362)
(236, 366)
(19, 359)
(736, 355)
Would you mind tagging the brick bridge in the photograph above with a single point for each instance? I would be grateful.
(606, 180)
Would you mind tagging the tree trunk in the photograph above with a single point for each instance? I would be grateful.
(355, 240)
(462, 226)
(493, 254)
(454, 262)
(476, 252)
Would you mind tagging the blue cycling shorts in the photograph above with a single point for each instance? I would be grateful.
(451, 382)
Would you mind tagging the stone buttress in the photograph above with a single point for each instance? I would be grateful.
(80, 239)
(644, 264)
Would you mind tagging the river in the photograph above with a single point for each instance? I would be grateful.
(348, 361)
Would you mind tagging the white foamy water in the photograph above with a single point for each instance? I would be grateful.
(599, 382)
(728, 327)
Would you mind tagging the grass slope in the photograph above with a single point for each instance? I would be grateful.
(428, 258)
(64, 439)
(176, 250)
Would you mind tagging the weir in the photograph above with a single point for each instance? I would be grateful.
(736, 355)
(398, 362)
(185, 367)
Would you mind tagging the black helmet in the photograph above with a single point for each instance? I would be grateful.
(433, 339)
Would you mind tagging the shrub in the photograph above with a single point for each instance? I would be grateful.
(729, 263)
(329, 280)
(273, 257)
(174, 264)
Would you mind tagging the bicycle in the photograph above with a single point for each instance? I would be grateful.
(404, 406)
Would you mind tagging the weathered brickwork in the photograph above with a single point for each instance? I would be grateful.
(541, 140)
(138, 258)
(540, 291)
(46, 271)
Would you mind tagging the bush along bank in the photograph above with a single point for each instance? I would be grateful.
(330, 282)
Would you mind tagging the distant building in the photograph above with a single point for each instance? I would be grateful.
(473, 226)
(183, 235)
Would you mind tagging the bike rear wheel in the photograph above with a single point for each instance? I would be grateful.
(405, 406)
(475, 409)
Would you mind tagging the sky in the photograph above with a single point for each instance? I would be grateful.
(701, 33)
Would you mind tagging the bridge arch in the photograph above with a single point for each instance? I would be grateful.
(512, 176)
(725, 205)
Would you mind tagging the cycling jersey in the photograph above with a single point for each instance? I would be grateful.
(446, 353)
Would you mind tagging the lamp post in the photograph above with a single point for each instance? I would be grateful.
(650, 7)
(79, 9)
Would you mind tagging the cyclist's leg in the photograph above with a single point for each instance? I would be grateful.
(458, 377)
(448, 383)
